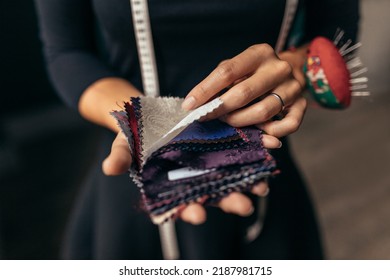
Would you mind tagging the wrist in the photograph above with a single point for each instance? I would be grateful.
(104, 96)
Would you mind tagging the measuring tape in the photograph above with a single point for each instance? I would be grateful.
(288, 18)
(147, 59)
(144, 40)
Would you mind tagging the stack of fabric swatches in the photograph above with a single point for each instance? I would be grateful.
(178, 160)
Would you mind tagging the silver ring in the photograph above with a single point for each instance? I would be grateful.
(277, 96)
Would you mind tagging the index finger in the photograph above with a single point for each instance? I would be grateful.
(226, 74)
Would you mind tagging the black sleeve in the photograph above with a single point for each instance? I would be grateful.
(324, 17)
(67, 30)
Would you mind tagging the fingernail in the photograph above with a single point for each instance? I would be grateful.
(197, 221)
(280, 144)
(188, 103)
(265, 193)
(105, 165)
(250, 212)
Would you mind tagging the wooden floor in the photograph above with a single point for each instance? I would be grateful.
(345, 157)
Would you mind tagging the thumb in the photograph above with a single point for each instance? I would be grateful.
(119, 159)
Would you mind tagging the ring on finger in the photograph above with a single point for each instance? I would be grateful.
(277, 96)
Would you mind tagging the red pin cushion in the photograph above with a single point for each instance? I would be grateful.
(327, 75)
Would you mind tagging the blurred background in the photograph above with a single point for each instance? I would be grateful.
(45, 149)
(345, 155)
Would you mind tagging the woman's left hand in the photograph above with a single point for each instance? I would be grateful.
(251, 77)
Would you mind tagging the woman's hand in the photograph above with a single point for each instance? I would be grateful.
(251, 76)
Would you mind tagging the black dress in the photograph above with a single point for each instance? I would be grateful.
(86, 40)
